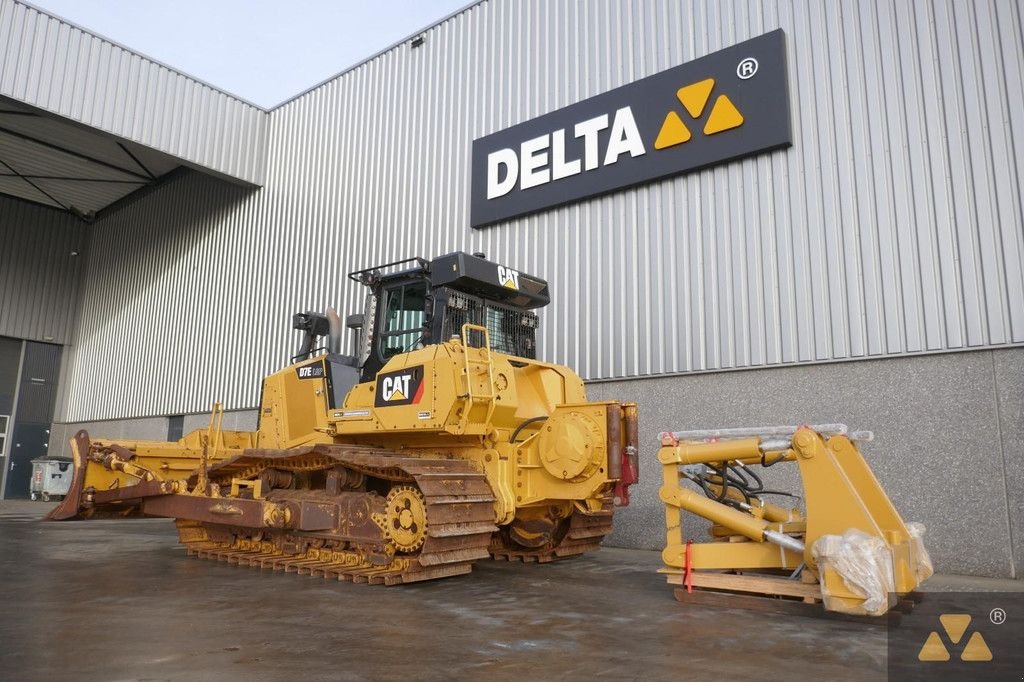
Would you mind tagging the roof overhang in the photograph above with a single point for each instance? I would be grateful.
(85, 121)
(49, 161)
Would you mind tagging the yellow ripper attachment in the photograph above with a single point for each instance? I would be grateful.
(848, 548)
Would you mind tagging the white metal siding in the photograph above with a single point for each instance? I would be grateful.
(892, 226)
(51, 64)
(38, 274)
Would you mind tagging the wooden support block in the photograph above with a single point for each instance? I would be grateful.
(905, 605)
(756, 584)
(786, 607)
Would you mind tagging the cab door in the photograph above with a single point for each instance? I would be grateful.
(401, 325)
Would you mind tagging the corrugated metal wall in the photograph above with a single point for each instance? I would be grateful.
(171, 294)
(892, 226)
(38, 274)
(54, 65)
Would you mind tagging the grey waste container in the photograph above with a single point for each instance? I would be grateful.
(51, 478)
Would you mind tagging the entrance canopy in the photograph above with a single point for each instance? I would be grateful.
(50, 161)
(85, 121)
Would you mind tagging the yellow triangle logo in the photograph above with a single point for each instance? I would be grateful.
(955, 625)
(724, 116)
(695, 96)
(510, 284)
(933, 649)
(397, 395)
(673, 132)
(976, 649)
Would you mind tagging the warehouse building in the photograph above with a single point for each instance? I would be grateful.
(780, 212)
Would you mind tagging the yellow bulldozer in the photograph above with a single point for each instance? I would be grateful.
(440, 440)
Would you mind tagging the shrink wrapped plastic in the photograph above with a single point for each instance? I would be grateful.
(864, 562)
(922, 562)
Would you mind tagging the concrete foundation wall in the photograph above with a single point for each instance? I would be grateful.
(948, 448)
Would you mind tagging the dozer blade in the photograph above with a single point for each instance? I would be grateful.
(851, 550)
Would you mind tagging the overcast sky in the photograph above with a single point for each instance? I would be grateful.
(265, 51)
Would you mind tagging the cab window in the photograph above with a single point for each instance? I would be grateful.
(402, 327)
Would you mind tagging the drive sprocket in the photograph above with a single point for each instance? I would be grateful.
(405, 522)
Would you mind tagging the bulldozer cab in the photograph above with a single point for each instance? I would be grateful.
(416, 302)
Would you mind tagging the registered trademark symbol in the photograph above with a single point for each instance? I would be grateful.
(997, 616)
(747, 68)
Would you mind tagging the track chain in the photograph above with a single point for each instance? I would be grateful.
(459, 510)
(584, 534)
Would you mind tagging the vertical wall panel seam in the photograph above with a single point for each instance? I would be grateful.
(993, 196)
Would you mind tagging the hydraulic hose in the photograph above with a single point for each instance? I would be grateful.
(531, 420)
